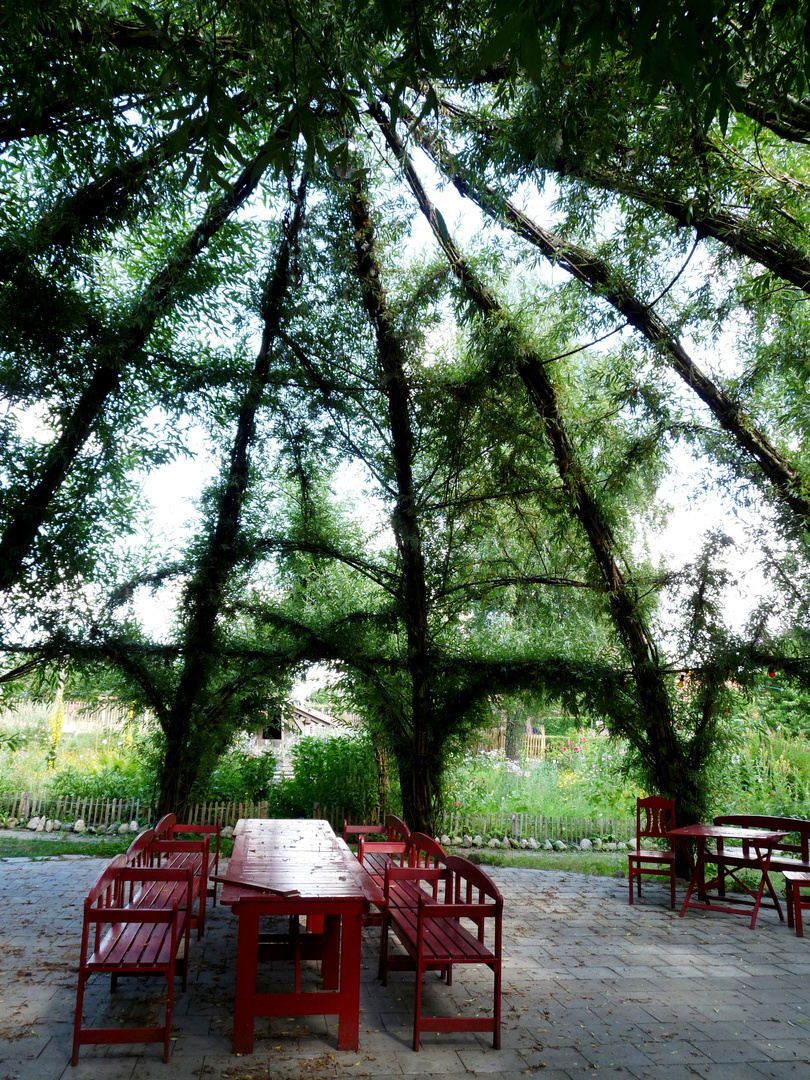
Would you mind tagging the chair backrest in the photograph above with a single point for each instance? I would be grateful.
(655, 816)
(396, 827)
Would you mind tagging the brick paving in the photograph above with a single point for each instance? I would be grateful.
(591, 986)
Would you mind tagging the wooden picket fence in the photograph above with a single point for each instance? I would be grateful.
(104, 812)
(515, 826)
(101, 812)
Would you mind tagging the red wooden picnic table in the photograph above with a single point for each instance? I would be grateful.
(761, 840)
(314, 874)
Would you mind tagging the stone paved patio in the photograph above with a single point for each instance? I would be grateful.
(591, 986)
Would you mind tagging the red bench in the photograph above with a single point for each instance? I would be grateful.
(374, 855)
(145, 910)
(168, 849)
(792, 853)
(437, 933)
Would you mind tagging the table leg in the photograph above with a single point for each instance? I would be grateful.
(330, 961)
(350, 955)
(696, 881)
(247, 949)
(764, 865)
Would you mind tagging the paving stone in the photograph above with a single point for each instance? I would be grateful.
(591, 984)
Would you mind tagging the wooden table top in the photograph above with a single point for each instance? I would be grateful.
(728, 832)
(301, 855)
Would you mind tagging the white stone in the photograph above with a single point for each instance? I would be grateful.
(49, 825)
(467, 840)
(494, 842)
(33, 824)
(12, 823)
(227, 832)
(133, 825)
(524, 844)
(547, 845)
(456, 841)
(585, 844)
(444, 840)
(123, 829)
(533, 843)
(597, 844)
(57, 824)
(560, 845)
(79, 825)
(621, 846)
(478, 840)
(41, 824)
(611, 846)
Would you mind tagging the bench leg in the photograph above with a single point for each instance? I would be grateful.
(417, 1004)
(382, 967)
(77, 1024)
(797, 910)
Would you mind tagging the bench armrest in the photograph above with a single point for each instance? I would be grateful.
(414, 874)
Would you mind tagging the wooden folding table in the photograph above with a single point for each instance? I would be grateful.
(316, 876)
(761, 840)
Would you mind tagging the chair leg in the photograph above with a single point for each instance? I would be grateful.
(797, 910)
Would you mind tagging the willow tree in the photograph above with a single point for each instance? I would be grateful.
(145, 146)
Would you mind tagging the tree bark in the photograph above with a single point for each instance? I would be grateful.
(187, 727)
(598, 276)
(418, 776)
(658, 740)
(117, 356)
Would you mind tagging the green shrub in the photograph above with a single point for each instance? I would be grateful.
(338, 771)
(240, 776)
(109, 774)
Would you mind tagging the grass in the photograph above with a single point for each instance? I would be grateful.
(597, 863)
(55, 844)
(39, 847)
(52, 845)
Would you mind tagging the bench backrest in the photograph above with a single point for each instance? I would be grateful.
(396, 828)
(103, 892)
(138, 851)
(164, 826)
(797, 827)
(423, 850)
(471, 886)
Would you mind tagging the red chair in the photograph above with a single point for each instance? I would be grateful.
(654, 818)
